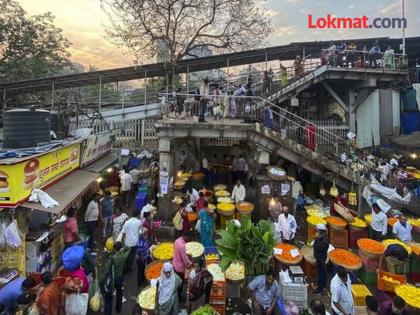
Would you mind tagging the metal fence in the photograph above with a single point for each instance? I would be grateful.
(128, 133)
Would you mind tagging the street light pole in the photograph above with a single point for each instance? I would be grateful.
(403, 30)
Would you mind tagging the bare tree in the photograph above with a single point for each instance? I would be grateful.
(180, 28)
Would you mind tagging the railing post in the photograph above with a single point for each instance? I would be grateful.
(100, 94)
(145, 91)
(142, 131)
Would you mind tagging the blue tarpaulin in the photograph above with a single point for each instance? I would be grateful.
(409, 100)
(410, 122)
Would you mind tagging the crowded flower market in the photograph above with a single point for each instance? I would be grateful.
(223, 178)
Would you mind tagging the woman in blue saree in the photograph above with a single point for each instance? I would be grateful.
(206, 225)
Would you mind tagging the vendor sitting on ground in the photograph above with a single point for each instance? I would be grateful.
(264, 291)
(395, 254)
(402, 230)
(398, 307)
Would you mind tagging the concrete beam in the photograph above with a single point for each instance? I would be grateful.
(369, 83)
(361, 97)
(335, 96)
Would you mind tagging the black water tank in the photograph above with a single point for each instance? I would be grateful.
(24, 128)
(60, 124)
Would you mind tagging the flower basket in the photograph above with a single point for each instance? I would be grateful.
(346, 259)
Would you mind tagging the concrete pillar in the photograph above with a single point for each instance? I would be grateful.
(52, 95)
(187, 79)
(351, 98)
(145, 91)
(165, 172)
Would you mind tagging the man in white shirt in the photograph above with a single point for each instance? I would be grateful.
(379, 223)
(135, 175)
(91, 219)
(286, 225)
(126, 186)
(238, 192)
(342, 302)
(130, 236)
(402, 230)
(296, 190)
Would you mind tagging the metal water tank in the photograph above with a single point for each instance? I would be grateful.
(24, 128)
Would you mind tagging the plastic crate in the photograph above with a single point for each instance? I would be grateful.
(368, 277)
(296, 292)
(339, 239)
(354, 235)
(221, 309)
(370, 264)
(415, 278)
(360, 292)
(388, 286)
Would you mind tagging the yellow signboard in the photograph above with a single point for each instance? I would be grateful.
(17, 179)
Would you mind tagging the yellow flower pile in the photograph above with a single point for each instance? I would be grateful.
(236, 271)
(393, 241)
(219, 187)
(359, 223)
(222, 193)
(316, 213)
(194, 249)
(391, 280)
(224, 200)
(163, 251)
(314, 220)
(147, 298)
(368, 218)
(414, 222)
(211, 206)
(410, 294)
(226, 207)
(212, 257)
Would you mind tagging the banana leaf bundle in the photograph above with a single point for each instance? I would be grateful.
(251, 243)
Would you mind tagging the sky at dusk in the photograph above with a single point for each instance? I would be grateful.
(83, 23)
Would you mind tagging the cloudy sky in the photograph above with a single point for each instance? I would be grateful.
(83, 23)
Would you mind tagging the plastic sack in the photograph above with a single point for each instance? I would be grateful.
(12, 236)
(290, 308)
(177, 221)
(72, 257)
(95, 296)
(77, 304)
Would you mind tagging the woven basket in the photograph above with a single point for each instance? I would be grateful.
(240, 281)
(347, 267)
(334, 226)
(369, 254)
(357, 228)
(273, 171)
(295, 261)
(344, 212)
(239, 207)
(151, 264)
(149, 311)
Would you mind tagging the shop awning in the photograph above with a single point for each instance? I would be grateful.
(102, 163)
(66, 191)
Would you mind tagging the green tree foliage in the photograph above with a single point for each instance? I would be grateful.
(30, 46)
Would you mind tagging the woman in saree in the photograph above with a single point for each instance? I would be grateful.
(206, 225)
(167, 289)
(199, 286)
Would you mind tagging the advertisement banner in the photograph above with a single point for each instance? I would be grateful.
(18, 179)
(95, 147)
